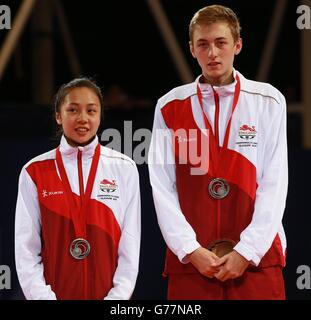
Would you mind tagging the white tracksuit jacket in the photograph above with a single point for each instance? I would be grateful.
(44, 227)
(254, 163)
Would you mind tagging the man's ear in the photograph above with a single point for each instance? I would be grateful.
(238, 46)
(192, 49)
(58, 118)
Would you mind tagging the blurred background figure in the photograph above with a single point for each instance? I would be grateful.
(116, 98)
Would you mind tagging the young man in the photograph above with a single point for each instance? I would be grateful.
(221, 216)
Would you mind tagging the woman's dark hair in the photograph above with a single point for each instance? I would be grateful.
(81, 82)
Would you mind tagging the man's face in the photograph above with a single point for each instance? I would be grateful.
(214, 48)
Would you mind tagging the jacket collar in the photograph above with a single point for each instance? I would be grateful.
(207, 89)
(71, 152)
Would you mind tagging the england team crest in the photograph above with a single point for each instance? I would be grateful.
(108, 186)
(247, 132)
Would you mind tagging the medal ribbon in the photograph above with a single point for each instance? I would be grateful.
(216, 97)
(78, 215)
(215, 136)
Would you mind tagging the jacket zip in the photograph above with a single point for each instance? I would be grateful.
(81, 188)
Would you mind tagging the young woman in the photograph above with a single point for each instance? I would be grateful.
(77, 229)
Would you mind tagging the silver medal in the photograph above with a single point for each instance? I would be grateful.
(80, 248)
(218, 188)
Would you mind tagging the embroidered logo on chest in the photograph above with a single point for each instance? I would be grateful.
(108, 187)
(247, 133)
(51, 193)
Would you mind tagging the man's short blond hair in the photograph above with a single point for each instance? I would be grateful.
(216, 13)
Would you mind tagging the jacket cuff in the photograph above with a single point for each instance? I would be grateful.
(247, 253)
(187, 249)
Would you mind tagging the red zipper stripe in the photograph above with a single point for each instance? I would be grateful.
(216, 120)
(80, 173)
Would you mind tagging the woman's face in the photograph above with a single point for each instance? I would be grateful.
(79, 116)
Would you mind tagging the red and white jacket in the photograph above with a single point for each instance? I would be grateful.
(44, 227)
(253, 161)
